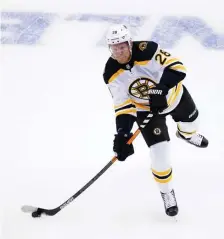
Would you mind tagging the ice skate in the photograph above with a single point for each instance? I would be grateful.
(196, 139)
(170, 203)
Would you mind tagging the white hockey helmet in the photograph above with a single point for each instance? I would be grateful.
(118, 33)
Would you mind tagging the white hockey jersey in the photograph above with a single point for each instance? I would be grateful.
(129, 83)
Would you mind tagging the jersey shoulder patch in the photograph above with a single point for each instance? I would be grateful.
(144, 50)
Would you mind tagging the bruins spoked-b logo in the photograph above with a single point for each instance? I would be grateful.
(143, 45)
(157, 131)
(140, 87)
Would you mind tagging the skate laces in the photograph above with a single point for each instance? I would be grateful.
(169, 199)
(196, 139)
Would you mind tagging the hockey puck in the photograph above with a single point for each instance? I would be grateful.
(36, 214)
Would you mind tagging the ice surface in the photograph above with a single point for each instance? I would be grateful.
(56, 132)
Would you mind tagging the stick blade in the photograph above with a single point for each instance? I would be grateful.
(28, 209)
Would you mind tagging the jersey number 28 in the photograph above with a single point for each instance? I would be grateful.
(162, 56)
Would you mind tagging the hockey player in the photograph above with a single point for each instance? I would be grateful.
(143, 78)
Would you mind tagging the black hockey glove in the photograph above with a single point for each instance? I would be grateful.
(121, 147)
(157, 98)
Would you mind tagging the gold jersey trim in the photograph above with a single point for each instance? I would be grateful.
(115, 75)
(141, 62)
(174, 94)
(172, 60)
(127, 102)
(178, 67)
(131, 111)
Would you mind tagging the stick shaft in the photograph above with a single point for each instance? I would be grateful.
(52, 212)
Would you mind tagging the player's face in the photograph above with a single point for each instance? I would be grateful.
(121, 52)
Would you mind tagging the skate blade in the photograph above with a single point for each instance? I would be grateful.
(28, 209)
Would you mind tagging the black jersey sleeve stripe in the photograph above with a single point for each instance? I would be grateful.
(175, 63)
(125, 107)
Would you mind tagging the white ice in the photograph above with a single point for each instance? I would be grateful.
(56, 133)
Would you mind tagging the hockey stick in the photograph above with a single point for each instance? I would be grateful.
(37, 211)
